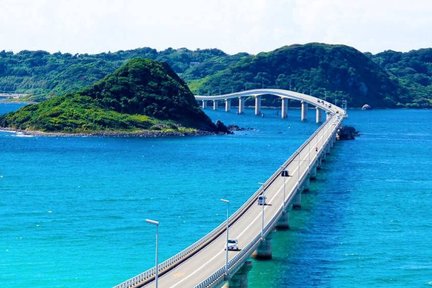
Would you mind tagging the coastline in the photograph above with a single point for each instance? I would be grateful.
(143, 134)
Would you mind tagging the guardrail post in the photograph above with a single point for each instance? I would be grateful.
(240, 278)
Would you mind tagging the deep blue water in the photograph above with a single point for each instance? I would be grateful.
(72, 209)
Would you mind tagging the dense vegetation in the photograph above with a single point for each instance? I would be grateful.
(43, 74)
(413, 70)
(335, 72)
(140, 95)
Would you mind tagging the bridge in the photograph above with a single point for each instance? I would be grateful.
(207, 262)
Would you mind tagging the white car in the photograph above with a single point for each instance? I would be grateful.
(233, 245)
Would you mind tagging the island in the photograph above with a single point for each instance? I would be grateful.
(142, 97)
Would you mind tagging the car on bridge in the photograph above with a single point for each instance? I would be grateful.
(232, 245)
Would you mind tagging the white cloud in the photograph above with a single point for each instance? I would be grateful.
(233, 26)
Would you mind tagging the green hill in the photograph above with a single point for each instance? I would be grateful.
(413, 70)
(140, 95)
(335, 72)
(43, 74)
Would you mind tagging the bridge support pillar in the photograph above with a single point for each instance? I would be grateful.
(283, 222)
(284, 108)
(327, 115)
(227, 105)
(317, 115)
(257, 105)
(204, 104)
(241, 105)
(304, 108)
(328, 147)
(306, 184)
(313, 172)
(319, 162)
(215, 104)
(264, 250)
(240, 278)
(297, 200)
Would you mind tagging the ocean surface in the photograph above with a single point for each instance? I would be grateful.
(73, 209)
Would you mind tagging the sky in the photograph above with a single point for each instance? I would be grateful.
(253, 26)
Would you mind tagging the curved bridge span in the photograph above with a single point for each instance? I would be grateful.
(285, 95)
(206, 262)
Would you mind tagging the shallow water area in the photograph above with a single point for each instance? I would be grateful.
(73, 209)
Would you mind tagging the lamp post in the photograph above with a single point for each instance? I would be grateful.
(227, 235)
(156, 223)
(284, 174)
(262, 213)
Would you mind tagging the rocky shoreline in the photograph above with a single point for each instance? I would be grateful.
(144, 134)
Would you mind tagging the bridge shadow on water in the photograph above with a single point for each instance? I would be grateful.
(305, 255)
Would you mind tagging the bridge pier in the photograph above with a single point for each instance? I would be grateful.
(297, 200)
(317, 115)
(240, 105)
(204, 104)
(304, 109)
(258, 105)
(215, 104)
(240, 278)
(306, 184)
(227, 105)
(319, 162)
(328, 115)
(283, 221)
(264, 250)
(284, 108)
(313, 172)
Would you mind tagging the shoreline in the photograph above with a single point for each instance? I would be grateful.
(143, 134)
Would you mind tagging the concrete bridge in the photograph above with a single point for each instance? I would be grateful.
(207, 263)
(257, 94)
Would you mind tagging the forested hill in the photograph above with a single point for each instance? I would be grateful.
(43, 74)
(141, 96)
(335, 72)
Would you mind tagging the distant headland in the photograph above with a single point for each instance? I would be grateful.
(141, 98)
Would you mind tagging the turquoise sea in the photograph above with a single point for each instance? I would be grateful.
(73, 209)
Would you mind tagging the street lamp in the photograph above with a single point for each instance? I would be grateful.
(227, 235)
(284, 174)
(262, 213)
(156, 223)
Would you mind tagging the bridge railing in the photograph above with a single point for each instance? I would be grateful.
(208, 238)
(235, 263)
